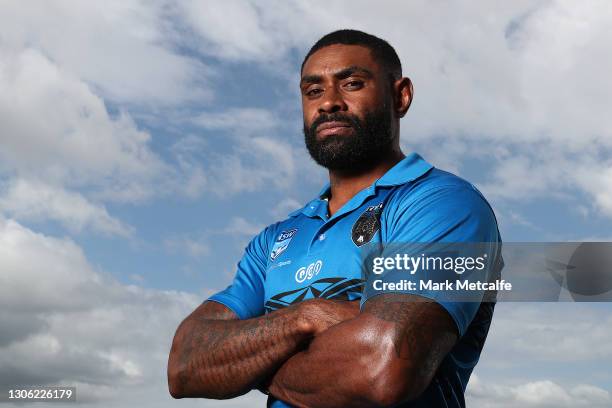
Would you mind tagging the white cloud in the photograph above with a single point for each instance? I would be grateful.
(258, 163)
(239, 226)
(253, 156)
(86, 327)
(123, 48)
(38, 201)
(284, 207)
(187, 152)
(38, 272)
(536, 394)
(55, 128)
(498, 79)
(65, 323)
(199, 245)
(238, 120)
(597, 180)
(551, 332)
(266, 32)
(544, 355)
(63, 155)
(192, 247)
(57, 134)
(516, 219)
(524, 83)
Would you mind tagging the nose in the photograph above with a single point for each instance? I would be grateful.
(332, 101)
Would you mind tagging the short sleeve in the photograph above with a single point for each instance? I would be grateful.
(453, 213)
(245, 296)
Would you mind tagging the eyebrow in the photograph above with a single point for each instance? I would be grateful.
(342, 74)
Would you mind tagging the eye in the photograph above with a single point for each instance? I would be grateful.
(354, 84)
(313, 92)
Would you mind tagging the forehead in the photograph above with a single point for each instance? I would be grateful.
(334, 57)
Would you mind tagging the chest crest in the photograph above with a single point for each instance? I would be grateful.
(366, 225)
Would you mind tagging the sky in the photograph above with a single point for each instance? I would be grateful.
(143, 144)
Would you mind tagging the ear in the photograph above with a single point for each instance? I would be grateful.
(403, 92)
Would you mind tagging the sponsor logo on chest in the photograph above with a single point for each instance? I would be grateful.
(308, 272)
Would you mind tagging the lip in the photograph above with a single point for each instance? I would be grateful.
(328, 128)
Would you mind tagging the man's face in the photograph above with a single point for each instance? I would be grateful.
(346, 100)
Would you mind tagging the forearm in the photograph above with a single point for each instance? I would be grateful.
(226, 358)
(386, 355)
(339, 369)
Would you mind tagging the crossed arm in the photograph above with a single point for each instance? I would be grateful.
(319, 353)
(215, 355)
(388, 354)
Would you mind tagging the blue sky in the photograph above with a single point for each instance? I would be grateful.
(142, 144)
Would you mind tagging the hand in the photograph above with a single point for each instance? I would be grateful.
(321, 314)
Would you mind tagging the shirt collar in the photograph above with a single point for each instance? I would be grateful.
(408, 169)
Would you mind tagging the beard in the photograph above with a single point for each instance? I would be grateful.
(369, 144)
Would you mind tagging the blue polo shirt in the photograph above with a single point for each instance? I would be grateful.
(312, 255)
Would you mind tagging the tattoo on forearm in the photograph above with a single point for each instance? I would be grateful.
(220, 352)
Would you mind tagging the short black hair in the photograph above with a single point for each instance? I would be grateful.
(381, 50)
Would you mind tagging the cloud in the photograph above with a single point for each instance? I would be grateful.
(54, 128)
(555, 332)
(516, 219)
(65, 323)
(536, 394)
(192, 247)
(124, 49)
(27, 200)
(526, 100)
(484, 87)
(239, 226)
(255, 40)
(597, 180)
(57, 267)
(67, 134)
(63, 155)
(523, 85)
(78, 326)
(544, 355)
(199, 245)
(238, 120)
(284, 207)
(256, 164)
(251, 152)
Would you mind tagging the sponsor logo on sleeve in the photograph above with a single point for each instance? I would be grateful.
(282, 242)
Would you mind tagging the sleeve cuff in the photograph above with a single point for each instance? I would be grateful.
(457, 310)
(233, 303)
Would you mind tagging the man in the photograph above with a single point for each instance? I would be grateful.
(291, 323)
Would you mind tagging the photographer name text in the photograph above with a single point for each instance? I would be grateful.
(430, 285)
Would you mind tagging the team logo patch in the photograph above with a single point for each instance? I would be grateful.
(366, 225)
(282, 242)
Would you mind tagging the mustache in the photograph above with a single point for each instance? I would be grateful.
(335, 117)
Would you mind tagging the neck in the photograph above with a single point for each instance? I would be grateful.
(345, 184)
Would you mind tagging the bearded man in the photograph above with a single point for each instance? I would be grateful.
(294, 323)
